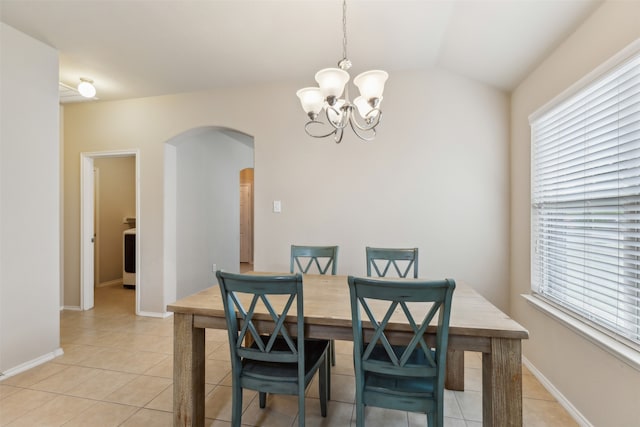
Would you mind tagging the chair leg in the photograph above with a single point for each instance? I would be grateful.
(431, 419)
(438, 412)
(359, 401)
(263, 399)
(359, 415)
(328, 379)
(332, 347)
(301, 416)
(236, 405)
(322, 385)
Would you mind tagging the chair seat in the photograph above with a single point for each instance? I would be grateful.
(408, 386)
(417, 357)
(285, 372)
(416, 360)
(395, 384)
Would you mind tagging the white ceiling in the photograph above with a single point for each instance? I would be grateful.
(134, 48)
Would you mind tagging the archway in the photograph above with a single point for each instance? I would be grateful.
(201, 206)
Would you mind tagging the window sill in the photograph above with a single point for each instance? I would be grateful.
(623, 352)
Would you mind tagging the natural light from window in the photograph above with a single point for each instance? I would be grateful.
(585, 200)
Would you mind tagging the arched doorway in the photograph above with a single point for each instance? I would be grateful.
(202, 206)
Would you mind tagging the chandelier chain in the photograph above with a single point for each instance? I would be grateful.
(344, 29)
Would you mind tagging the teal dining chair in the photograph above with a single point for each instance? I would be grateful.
(404, 377)
(315, 259)
(404, 261)
(277, 361)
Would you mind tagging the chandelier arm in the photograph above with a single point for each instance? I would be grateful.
(368, 126)
(312, 122)
(344, 115)
(339, 134)
(361, 132)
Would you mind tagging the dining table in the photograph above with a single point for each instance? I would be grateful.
(475, 325)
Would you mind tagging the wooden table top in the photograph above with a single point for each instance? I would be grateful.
(326, 303)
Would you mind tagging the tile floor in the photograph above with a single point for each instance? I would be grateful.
(117, 368)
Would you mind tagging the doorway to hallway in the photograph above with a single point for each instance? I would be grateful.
(91, 218)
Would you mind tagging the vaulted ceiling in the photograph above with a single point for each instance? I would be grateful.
(134, 48)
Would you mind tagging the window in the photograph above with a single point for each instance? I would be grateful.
(585, 200)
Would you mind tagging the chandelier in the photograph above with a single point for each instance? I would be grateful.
(362, 115)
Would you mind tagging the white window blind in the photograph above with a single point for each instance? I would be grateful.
(586, 202)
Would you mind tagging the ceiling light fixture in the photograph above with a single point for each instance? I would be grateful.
(86, 88)
(341, 112)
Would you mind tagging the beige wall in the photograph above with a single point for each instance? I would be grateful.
(116, 197)
(29, 202)
(603, 389)
(436, 177)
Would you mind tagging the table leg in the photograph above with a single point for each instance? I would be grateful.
(502, 383)
(454, 379)
(188, 372)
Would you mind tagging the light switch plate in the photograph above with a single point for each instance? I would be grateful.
(277, 206)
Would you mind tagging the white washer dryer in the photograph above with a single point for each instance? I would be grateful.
(129, 258)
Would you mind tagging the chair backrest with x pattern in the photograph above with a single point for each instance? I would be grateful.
(415, 359)
(324, 258)
(403, 261)
(264, 329)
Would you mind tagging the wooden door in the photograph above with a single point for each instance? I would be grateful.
(246, 222)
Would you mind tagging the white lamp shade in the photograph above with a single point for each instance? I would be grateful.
(86, 89)
(364, 108)
(332, 81)
(311, 99)
(371, 83)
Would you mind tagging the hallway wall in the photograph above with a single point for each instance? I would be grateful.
(29, 201)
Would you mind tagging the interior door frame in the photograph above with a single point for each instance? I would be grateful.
(87, 200)
(96, 222)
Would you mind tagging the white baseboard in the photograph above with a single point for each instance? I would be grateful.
(155, 314)
(31, 364)
(142, 313)
(110, 283)
(562, 400)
